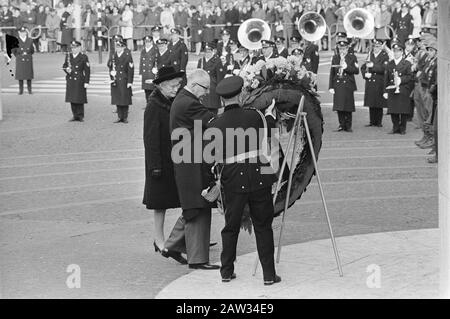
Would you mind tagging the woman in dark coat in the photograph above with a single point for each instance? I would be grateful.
(160, 191)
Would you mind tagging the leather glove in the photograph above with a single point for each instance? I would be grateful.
(385, 95)
(157, 172)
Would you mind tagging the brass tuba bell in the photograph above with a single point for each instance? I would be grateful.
(359, 23)
(251, 32)
(311, 26)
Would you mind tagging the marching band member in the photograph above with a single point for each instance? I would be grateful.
(156, 33)
(373, 72)
(209, 64)
(297, 52)
(268, 49)
(223, 45)
(147, 65)
(342, 85)
(164, 58)
(294, 43)
(311, 57)
(121, 68)
(245, 183)
(404, 25)
(281, 49)
(397, 83)
(78, 73)
(178, 52)
(24, 60)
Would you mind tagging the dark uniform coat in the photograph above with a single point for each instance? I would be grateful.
(374, 89)
(164, 59)
(398, 103)
(311, 58)
(242, 177)
(194, 176)
(221, 46)
(345, 85)
(66, 31)
(6, 20)
(24, 59)
(75, 80)
(284, 53)
(120, 92)
(148, 61)
(197, 23)
(211, 100)
(178, 55)
(404, 27)
(159, 192)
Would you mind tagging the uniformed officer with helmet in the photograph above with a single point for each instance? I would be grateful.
(24, 60)
(148, 65)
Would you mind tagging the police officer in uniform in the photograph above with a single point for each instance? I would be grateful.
(246, 180)
(164, 58)
(121, 68)
(148, 65)
(78, 73)
(342, 85)
(24, 60)
(294, 43)
(397, 83)
(311, 57)
(281, 49)
(209, 64)
(178, 53)
(373, 72)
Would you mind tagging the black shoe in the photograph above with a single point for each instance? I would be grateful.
(368, 125)
(204, 266)
(72, 119)
(392, 132)
(157, 249)
(20, 93)
(125, 121)
(349, 130)
(213, 243)
(30, 92)
(118, 121)
(80, 120)
(339, 129)
(379, 125)
(228, 279)
(273, 281)
(175, 255)
(402, 133)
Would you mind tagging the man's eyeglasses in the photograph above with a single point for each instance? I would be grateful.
(205, 87)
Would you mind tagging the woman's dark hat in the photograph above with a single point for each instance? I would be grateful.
(167, 73)
(230, 87)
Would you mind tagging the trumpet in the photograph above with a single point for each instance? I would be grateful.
(113, 81)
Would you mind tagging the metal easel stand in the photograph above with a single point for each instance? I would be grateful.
(299, 119)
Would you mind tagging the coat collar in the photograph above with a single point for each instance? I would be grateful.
(188, 94)
(158, 99)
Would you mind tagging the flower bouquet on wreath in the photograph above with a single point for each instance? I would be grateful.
(286, 80)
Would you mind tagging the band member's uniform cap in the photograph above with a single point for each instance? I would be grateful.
(267, 44)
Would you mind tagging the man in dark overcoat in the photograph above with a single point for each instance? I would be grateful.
(397, 83)
(148, 65)
(373, 72)
(188, 119)
(247, 179)
(160, 191)
(78, 72)
(66, 29)
(342, 85)
(121, 68)
(209, 63)
(24, 60)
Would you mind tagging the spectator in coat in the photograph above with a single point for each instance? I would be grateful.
(166, 20)
(197, 24)
(138, 31)
(382, 19)
(219, 18)
(127, 26)
(232, 18)
(66, 29)
(88, 22)
(41, 16)
(160, 191)
(152, 19)
(52, 24)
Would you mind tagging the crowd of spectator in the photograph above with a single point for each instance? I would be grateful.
(200, 22)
